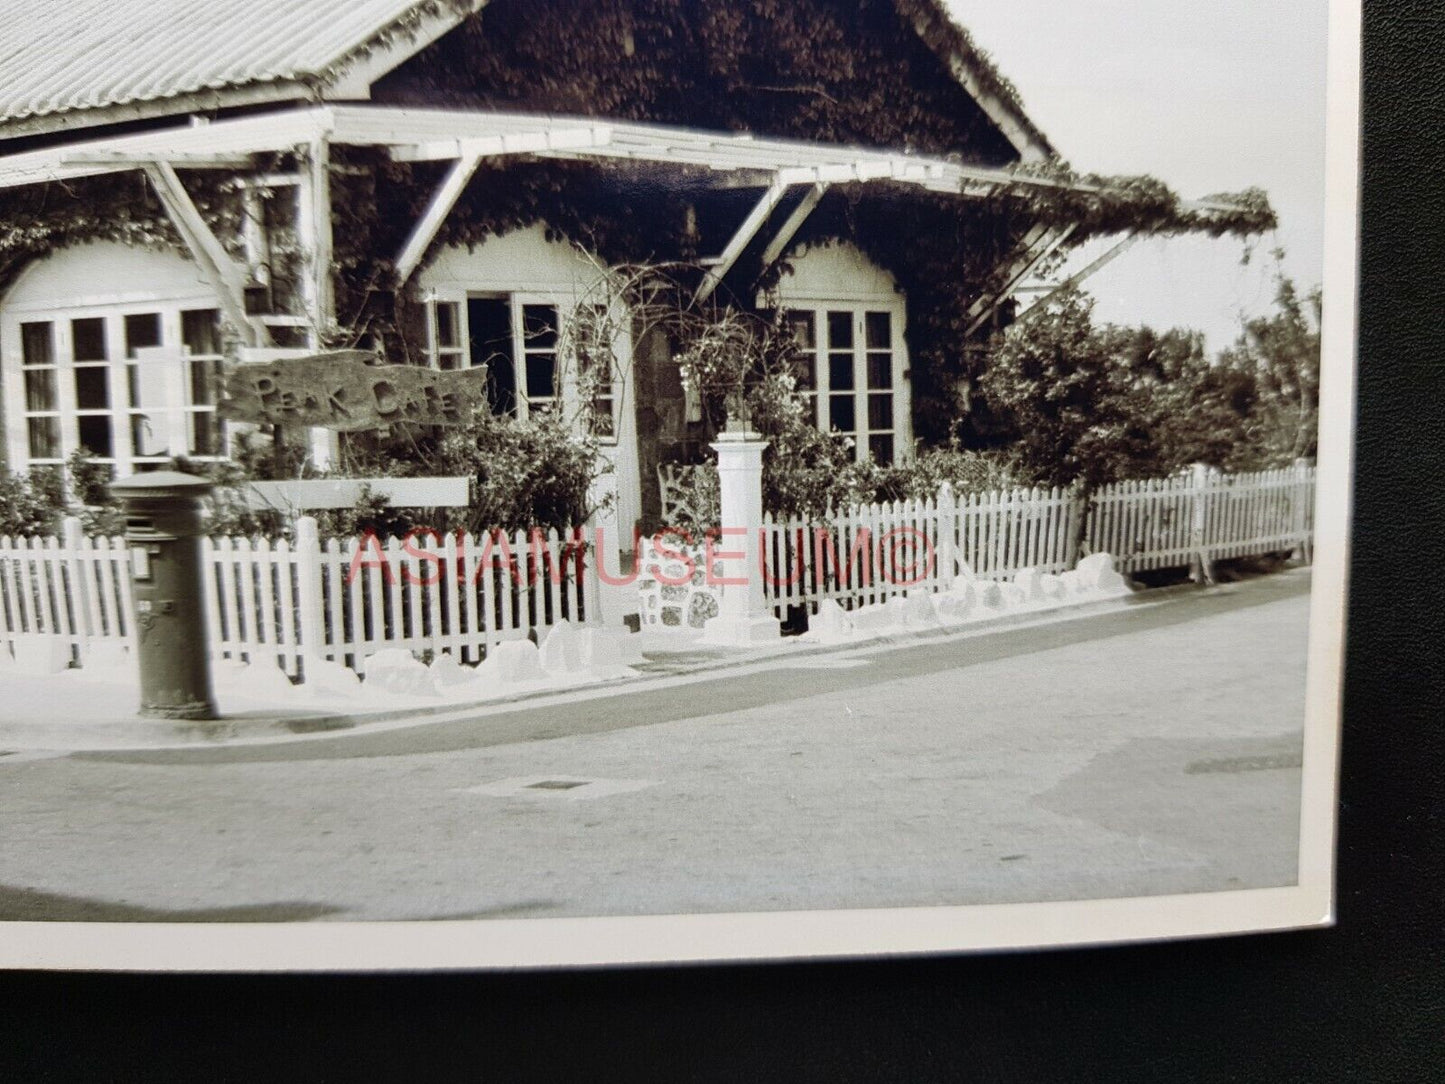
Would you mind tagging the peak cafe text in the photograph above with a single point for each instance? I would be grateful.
(345, 392)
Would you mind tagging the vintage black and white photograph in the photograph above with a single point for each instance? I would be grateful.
(545, 482)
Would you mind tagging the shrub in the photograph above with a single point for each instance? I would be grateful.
(30, 505)
(965, 470)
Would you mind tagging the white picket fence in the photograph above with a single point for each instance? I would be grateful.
(873, 552)
(343, 600)
(72, 587)
(336, 600)
(1202, 515)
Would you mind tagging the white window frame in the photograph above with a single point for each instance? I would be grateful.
(858, 310)
(440, 354)
(121, 410)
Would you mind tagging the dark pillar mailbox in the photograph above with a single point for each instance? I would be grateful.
(163, 529)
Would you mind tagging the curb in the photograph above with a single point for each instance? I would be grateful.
(19, 740)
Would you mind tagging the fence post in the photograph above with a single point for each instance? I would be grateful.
(310, 606)
(1304, 495)
(745, 617)
(1199, 570)
(79, 593)
(947, 507)
(1076, 522)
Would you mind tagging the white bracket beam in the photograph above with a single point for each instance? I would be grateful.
(566, 139)
(779, 244)
(184, 159)
(1035, 253)
(442, 202)
(1079, 276)
(745, 233)
(225, 277)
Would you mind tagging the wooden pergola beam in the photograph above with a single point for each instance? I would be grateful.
(183, 159)
(542, 143)
(1079, 276)
(225, 277)
(779, 244)
(1044, 245)
(745, 233)
(442, 202)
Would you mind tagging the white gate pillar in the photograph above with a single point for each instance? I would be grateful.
(744, 618)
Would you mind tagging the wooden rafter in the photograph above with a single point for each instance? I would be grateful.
(779, 244)
(442, 202)
(225, 277)
(745, 233)
(546, 143)
(185, 160)
(1079, 276)
(1040, 244)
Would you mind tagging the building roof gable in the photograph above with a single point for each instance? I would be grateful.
(78, 62)
(83, 55)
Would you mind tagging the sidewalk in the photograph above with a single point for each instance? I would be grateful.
(77, 710)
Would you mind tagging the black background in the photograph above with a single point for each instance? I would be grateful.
(1362, 1001)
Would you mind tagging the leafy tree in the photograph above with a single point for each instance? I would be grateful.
(1093, 404)
(1278, 356)
(1068, 389)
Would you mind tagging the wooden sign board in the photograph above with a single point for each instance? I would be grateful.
(341, 391)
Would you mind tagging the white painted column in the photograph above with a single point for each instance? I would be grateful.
(744, 618)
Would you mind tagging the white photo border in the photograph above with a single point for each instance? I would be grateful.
(674, 939)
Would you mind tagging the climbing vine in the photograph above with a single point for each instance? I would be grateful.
(865, 72)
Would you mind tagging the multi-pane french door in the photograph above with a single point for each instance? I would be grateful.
(854, 374)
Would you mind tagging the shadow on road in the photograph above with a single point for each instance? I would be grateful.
(32, 905)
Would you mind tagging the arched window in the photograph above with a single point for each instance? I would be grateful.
(848, 317)
(111, 350)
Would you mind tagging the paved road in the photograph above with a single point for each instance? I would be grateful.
(1150, 751)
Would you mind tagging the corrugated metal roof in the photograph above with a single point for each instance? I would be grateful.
(61, 55)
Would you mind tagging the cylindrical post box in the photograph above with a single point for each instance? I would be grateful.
(163, 529)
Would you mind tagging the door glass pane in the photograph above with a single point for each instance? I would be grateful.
(40, 389)
(806, 376)
(840, 372)
(541, 376)
(805, 330)
(880, 411)
(44, 438)
(879, 331)
(205, 433)
(205, 382)
(842, 414)
(142, 330)
(489, 343)
(37, 344)
(539, 327)
(95, 434)
(148, 435)
(880, 447)
(447, 320)
(880, 370)
(200, 331)
(840, 330)
(88, 339)
(92, 387)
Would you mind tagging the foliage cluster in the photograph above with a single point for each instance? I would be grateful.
(1098, 403)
